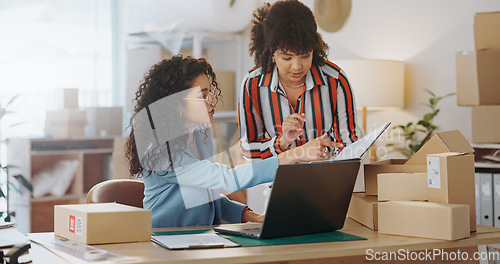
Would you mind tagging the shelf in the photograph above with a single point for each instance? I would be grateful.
(487, 165)
(486, 146)
(38, 156)
(62, 198)
(71, 151)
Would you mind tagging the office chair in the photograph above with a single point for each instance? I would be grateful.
(123, 191)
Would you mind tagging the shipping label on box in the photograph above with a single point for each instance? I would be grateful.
(433, 172)
(371, 170)
(102, 223)
(424, 219)
(448, 141)
(451, 179)
(402, 186)
(364, 209)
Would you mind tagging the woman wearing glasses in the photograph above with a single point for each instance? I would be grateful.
(171, 149)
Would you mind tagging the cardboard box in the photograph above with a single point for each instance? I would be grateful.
(486, 124)
(120, 163)
(402, 186)
(67, 98)
(65, 117)
(104, 121)
(386, 166)
(65, 130)
(449, 141)
(364, 209)
(102, 223)
(451, 180)
(226, 81)
(423, 219)
(477, 77)
(486, 28)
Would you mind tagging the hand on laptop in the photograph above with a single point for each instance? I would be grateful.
(251, 216)
(314, 150)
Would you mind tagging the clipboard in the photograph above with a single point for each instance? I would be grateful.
(358, 148)
(193, 241)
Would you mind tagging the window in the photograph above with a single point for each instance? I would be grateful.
(49, 45)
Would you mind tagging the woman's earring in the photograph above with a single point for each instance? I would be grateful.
(272, 59)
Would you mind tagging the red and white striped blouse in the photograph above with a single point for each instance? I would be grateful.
(327, 102)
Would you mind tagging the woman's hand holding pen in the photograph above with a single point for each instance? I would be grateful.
(292, 128)
(314, 150)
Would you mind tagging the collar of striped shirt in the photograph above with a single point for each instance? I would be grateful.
(314, 77)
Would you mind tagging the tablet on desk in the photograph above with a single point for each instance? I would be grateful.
(193, 241)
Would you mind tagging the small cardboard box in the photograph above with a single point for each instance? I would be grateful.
(486, 28)
(423, 219)
(486, 124)
(386, 166)
(67, 98)
(65, 117)
(477, 77)
(104, 121)
(364, 209)
(449, 141)
(102, 223)
(451, 179)
(402, 186)
(65, 130)
(120, 163)
(226, 81)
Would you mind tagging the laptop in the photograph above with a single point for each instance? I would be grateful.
(306, 198)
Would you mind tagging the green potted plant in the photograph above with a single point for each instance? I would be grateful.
(6, 185)
(415, 135)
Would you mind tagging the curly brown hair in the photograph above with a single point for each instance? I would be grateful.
(288, 25)
(165, 78)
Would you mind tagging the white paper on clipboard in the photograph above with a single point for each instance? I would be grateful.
(358, 148)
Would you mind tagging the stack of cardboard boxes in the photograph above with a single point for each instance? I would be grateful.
(430, 195)
(72, 121)
(478, 81)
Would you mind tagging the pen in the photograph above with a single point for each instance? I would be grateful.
(201, 246)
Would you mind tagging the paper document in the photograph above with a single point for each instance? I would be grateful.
(6, 224)
(358, 148)
(193, 241)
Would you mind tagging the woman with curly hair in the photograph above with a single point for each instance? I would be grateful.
(294, 94)
(171, 149)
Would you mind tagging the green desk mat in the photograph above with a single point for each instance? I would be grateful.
(252, 242)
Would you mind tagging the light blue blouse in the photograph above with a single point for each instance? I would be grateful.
(190, 195)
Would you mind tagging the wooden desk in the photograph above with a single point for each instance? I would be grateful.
(347, 251)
